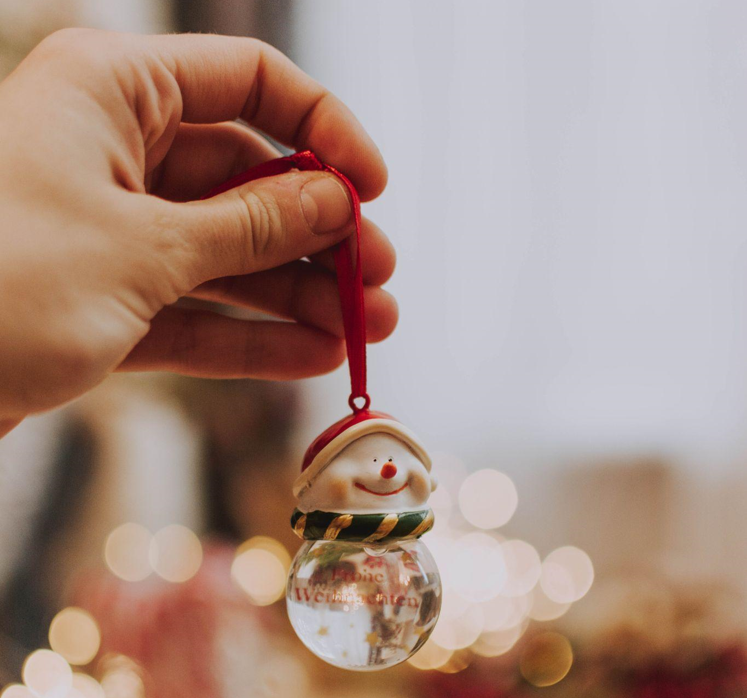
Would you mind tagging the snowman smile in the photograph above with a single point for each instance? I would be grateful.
(379, 494)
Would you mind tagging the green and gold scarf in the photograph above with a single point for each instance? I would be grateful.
(363, 528)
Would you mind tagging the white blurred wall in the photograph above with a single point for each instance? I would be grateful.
(146, 16)
(566, 196)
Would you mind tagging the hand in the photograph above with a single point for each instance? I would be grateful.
(107, 140)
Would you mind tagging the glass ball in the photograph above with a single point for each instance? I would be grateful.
(363, 607)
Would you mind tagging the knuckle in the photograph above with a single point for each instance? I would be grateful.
(262, 49)
(261, 224)
(159, 110)
(259, 44)
(267, 52)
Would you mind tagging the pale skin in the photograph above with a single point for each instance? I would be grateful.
(107, 142)
(376, 473)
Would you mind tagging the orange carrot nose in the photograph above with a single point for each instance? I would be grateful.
(388, 470)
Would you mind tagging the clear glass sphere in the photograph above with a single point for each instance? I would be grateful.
(363, 607)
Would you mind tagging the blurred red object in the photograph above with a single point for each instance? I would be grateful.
(174, 632)
(719, 673)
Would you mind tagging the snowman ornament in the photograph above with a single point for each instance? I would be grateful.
(363, 591)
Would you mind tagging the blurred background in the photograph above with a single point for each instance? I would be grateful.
(567, 198)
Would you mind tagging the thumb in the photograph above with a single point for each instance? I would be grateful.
(264, 224)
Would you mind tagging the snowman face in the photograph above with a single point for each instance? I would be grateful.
(376, 473)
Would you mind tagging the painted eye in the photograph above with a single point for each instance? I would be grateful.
(375, 460)
(390, 459)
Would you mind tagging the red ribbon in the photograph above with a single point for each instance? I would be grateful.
(350, 279)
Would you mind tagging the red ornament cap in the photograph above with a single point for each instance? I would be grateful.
(353, 426)
(331, 433)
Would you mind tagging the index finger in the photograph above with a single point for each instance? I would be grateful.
(223, 78)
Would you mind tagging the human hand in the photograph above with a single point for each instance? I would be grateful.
(107, 140)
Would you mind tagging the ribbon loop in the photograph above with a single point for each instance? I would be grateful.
(347, 265)
(352, 402)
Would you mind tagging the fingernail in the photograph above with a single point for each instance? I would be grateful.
(325, 203)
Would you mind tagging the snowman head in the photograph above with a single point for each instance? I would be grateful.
(376, 465)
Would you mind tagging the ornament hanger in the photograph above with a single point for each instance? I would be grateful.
(347, 266)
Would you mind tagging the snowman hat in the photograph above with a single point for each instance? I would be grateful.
(334, 439)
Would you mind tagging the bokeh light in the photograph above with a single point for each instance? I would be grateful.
(460, 622)
(74, 634)
(175, 553)
(441, 502)
(477, 569)
(522, 567)
(271, 545)
(47, 674)
(497, 642)
(457, 662)
(87, 686)
(546, 659)
(488, 499)
(449, 471)
(443, 549)
(261, 574)
(567, 574)
(16, 690)
(121, 678)
(543, 608)
(430, 656)
(503, 612)
(127, 551)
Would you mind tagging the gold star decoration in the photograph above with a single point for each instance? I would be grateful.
(323, 630)
(372, 639)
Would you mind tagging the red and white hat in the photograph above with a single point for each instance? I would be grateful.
(334, 439)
